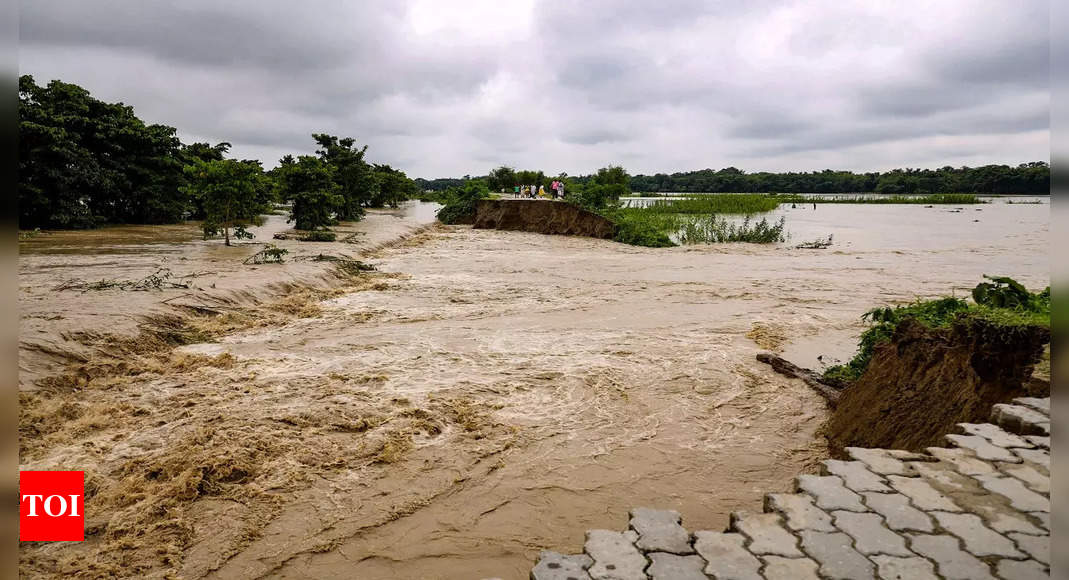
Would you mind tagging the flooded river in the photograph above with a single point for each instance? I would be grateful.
(497, 393)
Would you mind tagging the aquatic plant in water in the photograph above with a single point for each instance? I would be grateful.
(931, 199)
(710, 229)
(731, 203)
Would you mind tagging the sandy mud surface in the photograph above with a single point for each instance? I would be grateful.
(480, 396)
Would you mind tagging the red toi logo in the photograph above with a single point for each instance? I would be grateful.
(51, 506)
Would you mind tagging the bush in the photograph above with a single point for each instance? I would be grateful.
(1025, 308)
(641, 233)
(459, 202)
(712, 229)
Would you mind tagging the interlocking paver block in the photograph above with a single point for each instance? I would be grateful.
(1030, 476)
(995, 434)
(555, 566)
(979, 539)
(894, 568)
(1037, 456)
(1022, 570)
(799, 511)
(945, 479)
(1042, 441)
(951, 562)
(766, 533)
(1043, 517)
(898, 513)
(1020, 419)
(869, 534)
(962, 460)
(726, 556)
(1037, 547)
(829, 493)
(779, 568)
(660, 530)
(835, 555)
(999, 515)
(1041, 405)
(965, 512)
(615, 556)
(1012, 489)
(983, 448)
(855, 475)
(880, 461)
(665, 566)
(922, 494)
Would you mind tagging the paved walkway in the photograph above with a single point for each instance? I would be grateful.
(977, 509)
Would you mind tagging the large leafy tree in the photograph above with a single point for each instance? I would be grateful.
(309, 184)
(605, 188)
(503, 177)
(83, 162)
(459, 202)
(231, 192)
(353, 176)
(393, 188)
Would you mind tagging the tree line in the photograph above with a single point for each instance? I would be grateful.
(84, 163)
(1026, 179)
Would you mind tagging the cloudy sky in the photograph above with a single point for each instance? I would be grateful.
(447, 88)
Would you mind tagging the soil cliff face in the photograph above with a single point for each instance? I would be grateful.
(924, 381)
(541, 216)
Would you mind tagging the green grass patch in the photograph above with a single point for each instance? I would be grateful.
(1001, 302)
(641, 227)
(933, 199)
(721, 203)
(713, 229)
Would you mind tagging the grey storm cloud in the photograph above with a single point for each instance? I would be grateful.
(447, 88)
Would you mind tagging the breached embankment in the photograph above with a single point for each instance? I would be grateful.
(540, 216)
(924, 381)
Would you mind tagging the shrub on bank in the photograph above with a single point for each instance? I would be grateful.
(459, 202)
(1002, 303)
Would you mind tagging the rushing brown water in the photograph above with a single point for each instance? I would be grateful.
(520, 388)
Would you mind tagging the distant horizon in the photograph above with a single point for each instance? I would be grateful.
(747, 172)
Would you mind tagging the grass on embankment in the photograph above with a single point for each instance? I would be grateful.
(1002, 302)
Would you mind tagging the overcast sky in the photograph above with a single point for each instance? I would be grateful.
(441, 88)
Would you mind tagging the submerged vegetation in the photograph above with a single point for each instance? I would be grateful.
(931, 199)
(734, 203)
(640, 227)
(1001, 302)
(713, 229)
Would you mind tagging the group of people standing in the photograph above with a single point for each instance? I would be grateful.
(556, 190)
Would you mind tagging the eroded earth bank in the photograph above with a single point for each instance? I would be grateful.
(480, 396)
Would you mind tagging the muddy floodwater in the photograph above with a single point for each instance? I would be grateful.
(481, 396)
